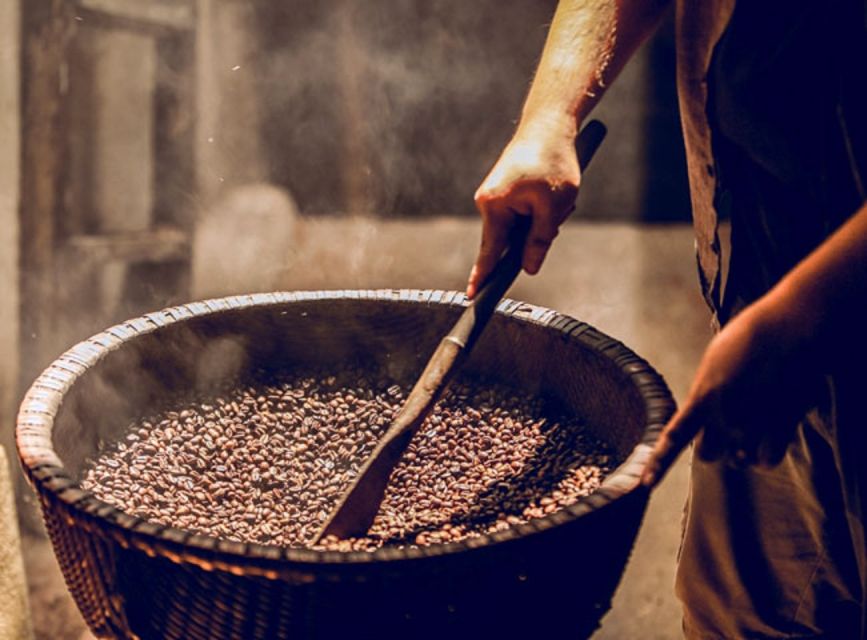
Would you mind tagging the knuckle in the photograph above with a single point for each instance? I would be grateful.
(566, 188)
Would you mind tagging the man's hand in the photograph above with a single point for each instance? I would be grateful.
(758, 375)
(537, 176)
(753, 384)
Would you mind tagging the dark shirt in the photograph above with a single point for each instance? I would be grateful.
(787, 107)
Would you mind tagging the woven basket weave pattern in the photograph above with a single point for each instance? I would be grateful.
(136, 579)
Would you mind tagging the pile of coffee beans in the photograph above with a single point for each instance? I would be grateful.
(267, 460)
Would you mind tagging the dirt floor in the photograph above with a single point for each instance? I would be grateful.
(55, 616)
(637, 284)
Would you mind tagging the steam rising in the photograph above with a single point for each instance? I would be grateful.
(392, 107)
(381, 108)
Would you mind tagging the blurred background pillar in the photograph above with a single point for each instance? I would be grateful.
(10, 135)
(14, 606)
(228, 132)
(244, 227)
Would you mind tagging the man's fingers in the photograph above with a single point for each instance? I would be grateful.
(550, 209)
(546, 205)
(543, 230)
(680, 430)
(496, 224)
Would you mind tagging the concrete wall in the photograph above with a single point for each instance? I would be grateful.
(399, 107)
(640, 171)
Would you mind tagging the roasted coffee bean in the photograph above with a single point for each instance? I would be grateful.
(266, 460)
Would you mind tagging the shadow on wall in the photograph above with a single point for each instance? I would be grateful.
(399, 107)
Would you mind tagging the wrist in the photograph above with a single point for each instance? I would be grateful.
(547, 124)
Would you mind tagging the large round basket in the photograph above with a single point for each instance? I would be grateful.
(137, 579)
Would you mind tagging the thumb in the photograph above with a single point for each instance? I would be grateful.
(678, 433)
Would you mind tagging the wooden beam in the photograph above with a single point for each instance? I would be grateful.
(163, 244)
(174, 127)
(160, 14)
(10, 157)
(10, 160)
(355, 163)
(48, 27)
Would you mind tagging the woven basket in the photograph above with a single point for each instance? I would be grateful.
(136, 579)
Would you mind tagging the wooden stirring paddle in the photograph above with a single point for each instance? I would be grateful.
(360, 503)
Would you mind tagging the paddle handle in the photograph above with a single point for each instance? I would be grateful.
(456, 346)
(357, 508)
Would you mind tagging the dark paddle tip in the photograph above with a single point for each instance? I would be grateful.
(346, 522)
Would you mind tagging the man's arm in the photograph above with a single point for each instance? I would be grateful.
(537, 174)
(749, 390)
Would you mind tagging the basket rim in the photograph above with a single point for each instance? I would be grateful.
(46, 472)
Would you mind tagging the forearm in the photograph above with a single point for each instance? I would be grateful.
(537, 173)
(820, 307)
(755, 379)
(588, 43)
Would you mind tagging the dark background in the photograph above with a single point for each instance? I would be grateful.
(399, 107)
